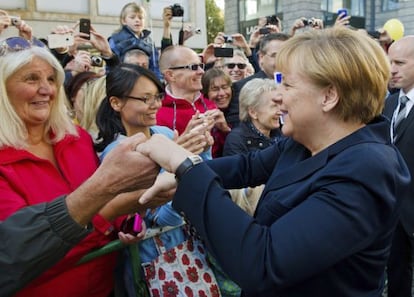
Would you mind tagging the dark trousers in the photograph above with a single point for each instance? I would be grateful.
(400, 264)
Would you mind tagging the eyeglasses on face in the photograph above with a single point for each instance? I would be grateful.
(239, 65)
(193, 67)
(15, 44)
(148, 99)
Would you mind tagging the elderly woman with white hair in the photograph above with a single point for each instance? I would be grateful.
(259, 112)
(43, 155)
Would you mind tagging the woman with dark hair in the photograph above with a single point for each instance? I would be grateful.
(133, 97)
(217, 86)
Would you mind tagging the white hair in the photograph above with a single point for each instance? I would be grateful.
(13, 131)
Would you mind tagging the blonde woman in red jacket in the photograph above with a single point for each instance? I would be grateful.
(43, 156)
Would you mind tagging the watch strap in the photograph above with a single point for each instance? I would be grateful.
(186, 165)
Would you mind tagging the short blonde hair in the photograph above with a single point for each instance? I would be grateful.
(13, 131)
(351, 62)
(250, 96)
(134, 7)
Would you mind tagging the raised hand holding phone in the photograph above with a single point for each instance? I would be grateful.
(85, 27)
(343, 18)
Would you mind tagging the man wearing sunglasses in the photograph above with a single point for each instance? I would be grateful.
(183, 70)
(268, 48)
(236, 66)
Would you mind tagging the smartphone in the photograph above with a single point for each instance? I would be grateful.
(374, 34)
(132, 225)
(85, 27)
(60, 40)
(343, 11)
(224, 52)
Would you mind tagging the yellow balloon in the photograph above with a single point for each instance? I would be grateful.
(394, 28)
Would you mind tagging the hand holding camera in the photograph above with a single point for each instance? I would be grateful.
(313, 23)
(25, 30)
(15, 21)
(177, 10)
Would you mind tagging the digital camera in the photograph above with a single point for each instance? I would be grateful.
(177, 10)
(15, 20)
(96, 61)
(228, 39)
(307, 22)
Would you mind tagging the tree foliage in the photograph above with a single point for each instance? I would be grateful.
(214, 20)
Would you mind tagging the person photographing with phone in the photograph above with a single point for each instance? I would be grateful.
(343, 19)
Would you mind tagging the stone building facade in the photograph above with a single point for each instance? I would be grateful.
(44, 15)
(241, 15)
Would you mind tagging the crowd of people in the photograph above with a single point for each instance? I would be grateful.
(299, 187)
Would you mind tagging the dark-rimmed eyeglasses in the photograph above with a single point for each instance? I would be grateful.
(239, 65)
(148, 99)
(193, 67)
(15, 44)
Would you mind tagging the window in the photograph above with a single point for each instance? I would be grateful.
(13, 4)
(355, 7)
(254, 9)
(389, 5)
(73, 6)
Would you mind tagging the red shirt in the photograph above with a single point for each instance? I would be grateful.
(26, 179)
(175, 113)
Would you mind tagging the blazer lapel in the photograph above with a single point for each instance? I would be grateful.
(298, 171)
(284, 175)
(402, 127)
(390, 105)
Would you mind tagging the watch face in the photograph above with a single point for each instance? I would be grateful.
(195, 159)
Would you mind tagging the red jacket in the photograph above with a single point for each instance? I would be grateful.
(176, 113)
(26, 180)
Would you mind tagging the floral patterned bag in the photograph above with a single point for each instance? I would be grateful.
(181, 271)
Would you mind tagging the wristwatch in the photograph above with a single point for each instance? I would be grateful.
(186, 165)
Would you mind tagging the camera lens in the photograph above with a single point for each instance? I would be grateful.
(228, 39)
(96, 61)
(15, 21)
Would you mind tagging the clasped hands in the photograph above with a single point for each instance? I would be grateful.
(168, 155)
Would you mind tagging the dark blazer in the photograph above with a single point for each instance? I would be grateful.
(323, 225)
(405, 144)
(243, 139)
(233, 111)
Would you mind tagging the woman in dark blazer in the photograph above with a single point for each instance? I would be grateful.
(324, 222)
